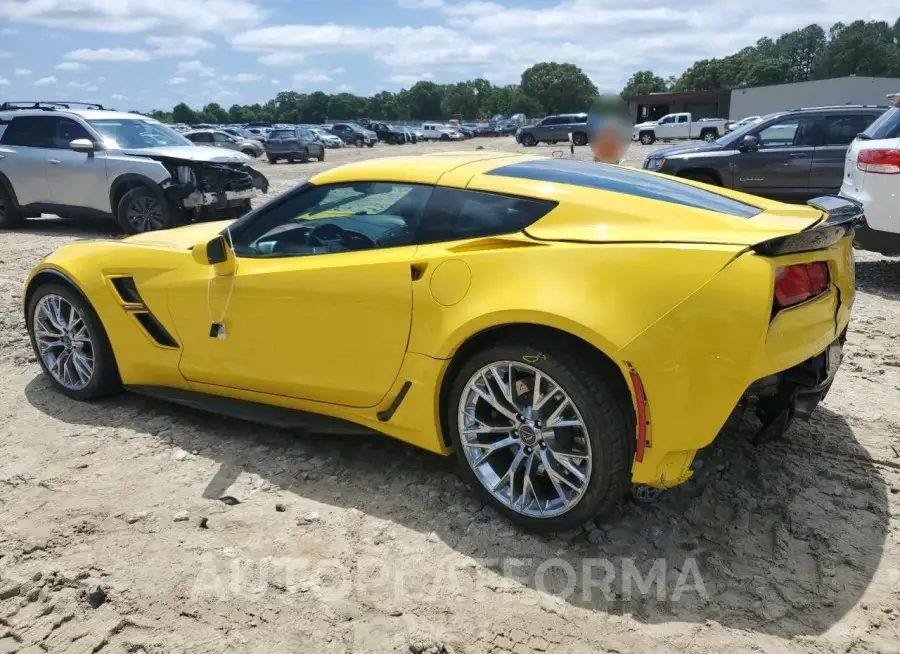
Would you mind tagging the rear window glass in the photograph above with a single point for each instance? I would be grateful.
(886, 126)
(283, 133)
(629, 182)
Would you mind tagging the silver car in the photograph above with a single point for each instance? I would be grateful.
(221, 139)
(92, 162)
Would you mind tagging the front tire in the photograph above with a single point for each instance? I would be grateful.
(10, 216)
(273, 160)
(321, 156)
(250, 153)
(540, 476)
(528, 140)
(71, 344)
(359, 142)
(647, 138)
(304, 156)
(141, 210)
(579, 138)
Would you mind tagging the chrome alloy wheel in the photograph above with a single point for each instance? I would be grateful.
(525, 439)
(145, 214)
(63, 342)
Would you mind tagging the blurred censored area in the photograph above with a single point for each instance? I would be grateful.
(609, 128)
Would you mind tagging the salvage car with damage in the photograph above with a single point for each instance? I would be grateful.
(86, 162)
(571, 331)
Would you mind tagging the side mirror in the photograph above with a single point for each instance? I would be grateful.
(750, 143)
(217, 253)
(84, 146)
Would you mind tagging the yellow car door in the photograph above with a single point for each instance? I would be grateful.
(320, 304)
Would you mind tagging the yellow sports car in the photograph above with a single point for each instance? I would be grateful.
(567, 329)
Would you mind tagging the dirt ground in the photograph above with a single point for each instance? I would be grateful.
(362, 544)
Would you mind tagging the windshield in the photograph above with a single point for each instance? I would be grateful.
(136, 133)
(886, 126)
(738, 135)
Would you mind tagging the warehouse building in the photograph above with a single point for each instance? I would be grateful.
(761, 100)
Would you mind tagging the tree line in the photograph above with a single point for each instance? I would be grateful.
(862, 48)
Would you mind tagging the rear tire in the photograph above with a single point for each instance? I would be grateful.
(607, 434)
(250, 153)
(709, 135)
(104, 380)
(10, 216)
(273, 160)
(359, 142)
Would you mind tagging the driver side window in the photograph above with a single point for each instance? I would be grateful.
(335, 218)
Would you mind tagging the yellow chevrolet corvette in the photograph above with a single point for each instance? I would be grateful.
(569, 330)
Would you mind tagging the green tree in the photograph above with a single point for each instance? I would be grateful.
(424, 101)
(181, 113)
(860, 48)
(215, 113)
(558, 87)
(642, 83)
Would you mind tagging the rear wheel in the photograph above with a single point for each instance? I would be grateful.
(10, 216)
(250, 153)
(140, 210)
(272, 160)
(71, 344)
(541, 435)
(359, 141)
(710, 135)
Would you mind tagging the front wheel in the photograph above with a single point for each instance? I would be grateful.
(359, 142)
(321, 156)
(541, 435)
(304, 156)
(272, 160)
(528, 140)
(647, 138)
(141, 210)
(579, 138)
(71, 344)
(250, 153)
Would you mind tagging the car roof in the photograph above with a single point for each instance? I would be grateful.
(86, 114)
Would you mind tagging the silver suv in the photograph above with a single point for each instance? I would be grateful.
(77, 162)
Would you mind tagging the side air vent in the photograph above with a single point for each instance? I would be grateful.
(157, 332)
(127, 290)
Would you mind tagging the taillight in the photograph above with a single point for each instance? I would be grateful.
(884, 162)
(796, 284)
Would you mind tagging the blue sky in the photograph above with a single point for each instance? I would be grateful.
(144, 54)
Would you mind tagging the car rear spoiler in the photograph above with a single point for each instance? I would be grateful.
(841, 217)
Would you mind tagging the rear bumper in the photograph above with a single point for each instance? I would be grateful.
(874, 240)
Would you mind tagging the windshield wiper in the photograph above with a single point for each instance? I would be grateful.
(862, 136)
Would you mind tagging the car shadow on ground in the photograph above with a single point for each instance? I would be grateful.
(880, 278)
(78, 227)
(784, 537)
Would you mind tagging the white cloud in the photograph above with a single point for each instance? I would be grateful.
(175, 81)
(79, 85)
(46, 81)
(194, 68)
(72, 66)
(282, 58)
(4, 81)
(108, 54)
(275, 81)
(242, 78)
(608, 39)
(311, 77)
(409, 80)
(118, 96)
(134, 16)
(5, 55)
(22, 72)
(344, 88)
(8, 31)
(178, 46)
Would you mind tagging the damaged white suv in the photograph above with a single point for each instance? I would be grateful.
(77, 162)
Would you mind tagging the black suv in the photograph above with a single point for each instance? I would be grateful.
(553, 129)
(388, 133)
(790, 156)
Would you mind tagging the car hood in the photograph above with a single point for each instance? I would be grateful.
(691, 148)
(649, 123)
(203, 153)
(180, 238)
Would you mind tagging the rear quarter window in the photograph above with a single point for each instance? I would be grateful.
(628, 182)
(886, 126)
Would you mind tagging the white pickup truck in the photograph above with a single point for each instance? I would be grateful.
(678, 126)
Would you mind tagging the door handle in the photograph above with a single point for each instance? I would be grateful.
(797, 155)
(53, 161)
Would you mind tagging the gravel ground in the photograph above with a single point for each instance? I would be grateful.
(113, 536)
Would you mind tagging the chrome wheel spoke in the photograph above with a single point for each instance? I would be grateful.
(539, 464)
(63, 342)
